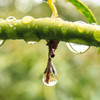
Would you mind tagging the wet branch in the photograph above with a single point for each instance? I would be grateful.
(31, 29)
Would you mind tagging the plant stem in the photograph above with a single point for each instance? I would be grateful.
(51, 29)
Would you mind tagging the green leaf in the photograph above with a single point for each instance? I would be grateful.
(83, 9)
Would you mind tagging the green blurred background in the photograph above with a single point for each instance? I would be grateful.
(22, 65)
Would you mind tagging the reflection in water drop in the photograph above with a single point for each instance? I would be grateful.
(10, 19)
(50, 76)
(31, 42)
(77, 48)
(1, 42)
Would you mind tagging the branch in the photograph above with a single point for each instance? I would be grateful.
(31, 29)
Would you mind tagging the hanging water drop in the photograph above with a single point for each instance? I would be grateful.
(77, 48)
(10, 19)
(31, 42)
(50, 75)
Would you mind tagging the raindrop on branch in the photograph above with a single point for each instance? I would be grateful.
(77, 48)
(10, 19)
(80, 22)
(27, 19)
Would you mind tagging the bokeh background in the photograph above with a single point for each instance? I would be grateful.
(22, 65)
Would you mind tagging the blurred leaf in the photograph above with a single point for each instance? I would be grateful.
(82, 8)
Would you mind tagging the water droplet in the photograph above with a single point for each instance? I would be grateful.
(60, 24)
(45, 29)
(77, 48)
(31, 42)
(11, 31)
(52, 20)
(50, 76)
(80, 22)
(1, 42)
(64, 30)
(27, 19)
(10, 19)
(80, 27)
